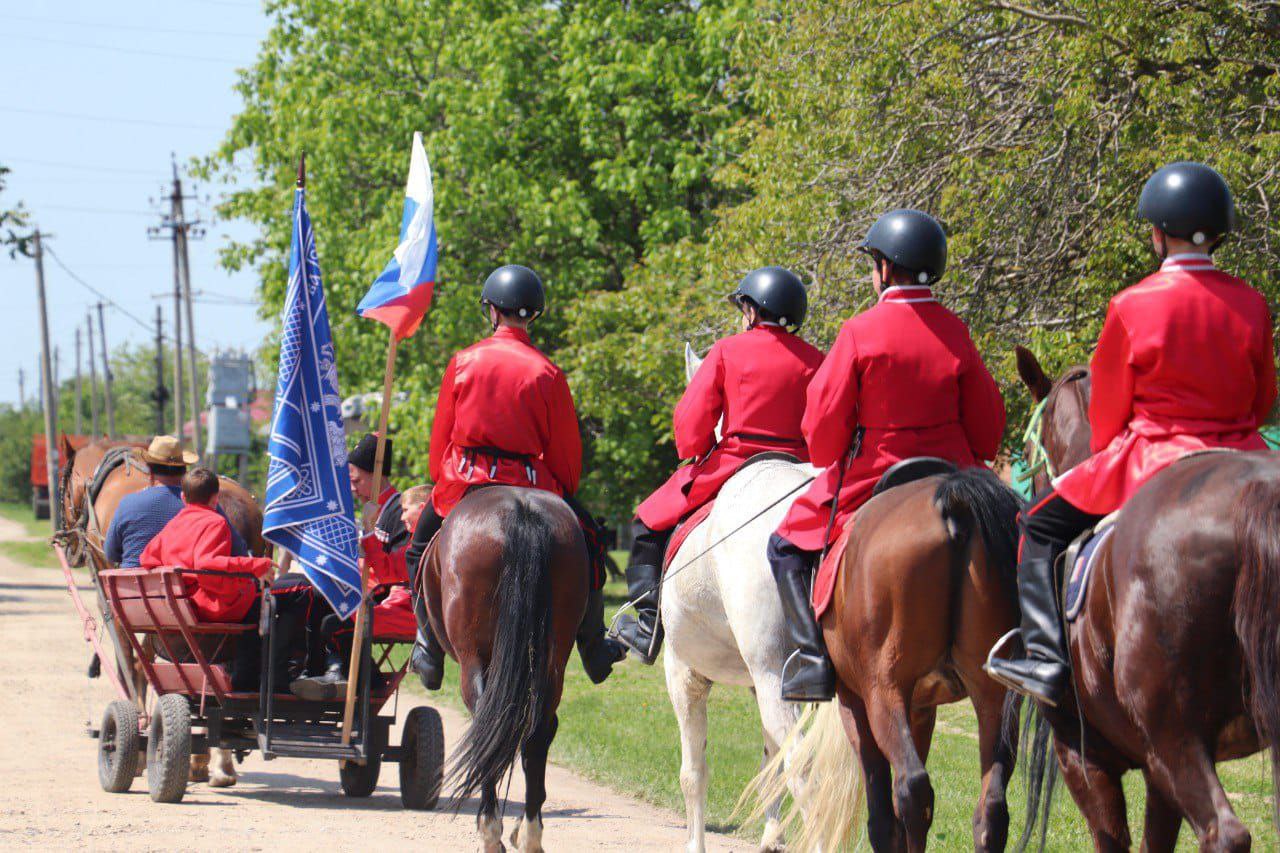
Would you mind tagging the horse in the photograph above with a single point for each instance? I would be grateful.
(1176, 652)
(724, 622)
(84, 528)
(926, 585)
(505, 581)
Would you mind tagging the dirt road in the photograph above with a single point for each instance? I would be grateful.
(49, 793)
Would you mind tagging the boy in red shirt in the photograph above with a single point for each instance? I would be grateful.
(199, 538)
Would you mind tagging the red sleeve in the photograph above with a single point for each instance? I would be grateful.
(982, 411)
(150, 558)
(1265, 373)
(1111, 374)
(700, 407)
(385, 567)
(563, 454)
(212, 552)
(442, 423)
(831, 403)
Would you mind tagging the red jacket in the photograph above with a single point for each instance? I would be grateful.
(503, 393)
(386, 561)
(1184, 363)
(907, 372)
(754, 382)
(199, 538)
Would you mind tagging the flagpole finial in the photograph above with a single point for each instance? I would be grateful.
(302, 171)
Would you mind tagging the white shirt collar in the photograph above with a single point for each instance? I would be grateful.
(1188, 261)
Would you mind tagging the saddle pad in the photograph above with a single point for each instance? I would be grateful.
(824, 582)
(682, 531)
(1082, 570)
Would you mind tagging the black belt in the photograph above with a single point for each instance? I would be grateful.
(496, 453)
(765, 439)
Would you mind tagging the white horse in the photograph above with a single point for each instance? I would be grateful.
(724, 623)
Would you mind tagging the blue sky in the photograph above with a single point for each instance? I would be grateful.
(97, 98)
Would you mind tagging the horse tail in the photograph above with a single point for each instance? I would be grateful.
(1256, 593)
(817, 761)
(517, 680)
(975, 501)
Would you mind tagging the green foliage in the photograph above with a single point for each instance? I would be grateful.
(13, 224)
(17, 426)
(571, 137)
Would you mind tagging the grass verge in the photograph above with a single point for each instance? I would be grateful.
(34, 553)
(623, 734)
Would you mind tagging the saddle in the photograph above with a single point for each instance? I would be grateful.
(910, 470)
(1078, 562)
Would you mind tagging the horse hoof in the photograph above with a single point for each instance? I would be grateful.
(199, 768)
(220, 780)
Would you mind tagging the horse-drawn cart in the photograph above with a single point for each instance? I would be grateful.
(183, 661)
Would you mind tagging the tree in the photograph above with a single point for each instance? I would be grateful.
(13, 223)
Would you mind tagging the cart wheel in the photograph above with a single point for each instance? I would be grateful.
(118, 745)
(359, 780)
(169, 749)
(422, 759)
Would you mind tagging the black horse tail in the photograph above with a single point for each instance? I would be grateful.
(1257, 591)
(517, 680)
(974, 500)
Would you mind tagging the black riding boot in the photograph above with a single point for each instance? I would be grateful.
(323, 688)
(598, 652)
(642, 633)
(807, 676)
(428, 659)
(1043, 672)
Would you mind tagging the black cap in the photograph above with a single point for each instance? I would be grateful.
(367, 450)
(515, 289)
(1190, 201)
(778, 291)
(911, 240)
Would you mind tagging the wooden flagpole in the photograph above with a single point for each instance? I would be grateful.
(357, 645)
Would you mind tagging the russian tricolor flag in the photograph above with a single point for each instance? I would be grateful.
(402, 293)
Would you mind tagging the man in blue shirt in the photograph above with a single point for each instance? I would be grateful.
(143, 514)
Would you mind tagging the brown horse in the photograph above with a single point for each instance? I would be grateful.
(926, 585)
(1176, 652)
(506, 586)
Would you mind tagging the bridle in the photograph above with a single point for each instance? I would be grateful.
(1038, 458)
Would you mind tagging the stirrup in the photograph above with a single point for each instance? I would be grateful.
(992, 668)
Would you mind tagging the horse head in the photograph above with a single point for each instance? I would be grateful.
(692, 361)
(1058, 438)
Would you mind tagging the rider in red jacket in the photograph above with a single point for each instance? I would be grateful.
(505, 416)
(903, 379)
(1184, 363)
(752, 385)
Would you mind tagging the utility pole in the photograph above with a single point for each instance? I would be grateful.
(79, 389)
(160, 395)
(22, 388)
(106, 374)
(57, 372)
(50, 414)
(175, 226)
(93, 381)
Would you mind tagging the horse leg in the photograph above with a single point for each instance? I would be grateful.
(488, 820)
(1097, 791)
(1182, 768)
(897, 733)
(777, 718)
(527, 836)
(222, 764)
(689, 691)
(199, 768)
(1162, 822)
(996, 754)
(884, 830)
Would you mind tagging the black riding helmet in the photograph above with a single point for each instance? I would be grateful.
(911, 240)
(515, 290)
(1190, 201)
(778, 291)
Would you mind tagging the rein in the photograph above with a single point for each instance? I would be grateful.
(1038, 460)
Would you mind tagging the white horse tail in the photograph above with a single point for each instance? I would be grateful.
(817, 760)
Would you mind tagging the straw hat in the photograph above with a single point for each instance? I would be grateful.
(165, 450)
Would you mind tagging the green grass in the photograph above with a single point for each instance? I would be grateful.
(623, 734)
(35, 553)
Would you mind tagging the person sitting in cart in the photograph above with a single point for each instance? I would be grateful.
(393, 617)
(199, 538)
(143, 514)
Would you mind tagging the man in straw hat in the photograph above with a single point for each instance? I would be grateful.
(143, 514)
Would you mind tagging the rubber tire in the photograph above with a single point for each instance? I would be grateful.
(360, 780)
(169, 749)
(118, 747)
(422, 759)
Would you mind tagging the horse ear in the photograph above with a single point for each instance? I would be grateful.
(65, 451)
(1032, 374)
(691, 362)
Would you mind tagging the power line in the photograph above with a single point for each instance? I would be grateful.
(105, 210)
(110, 119)
(124, 27)
(80, 166)
(98, 293)
(83, 45)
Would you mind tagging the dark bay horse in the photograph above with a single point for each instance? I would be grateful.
(1176, 653)
(926, 585)
(506, 585)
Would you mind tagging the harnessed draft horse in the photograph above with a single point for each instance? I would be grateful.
(505, 581)
(925, 586)
(1176, 652)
